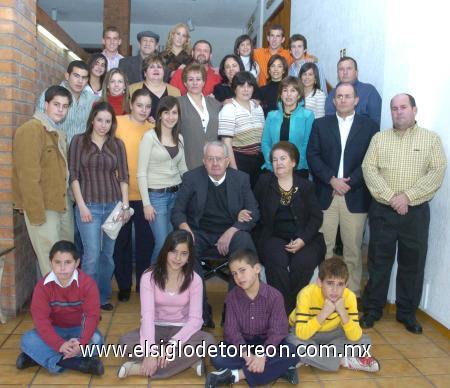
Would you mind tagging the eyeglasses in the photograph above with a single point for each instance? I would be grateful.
(217, 159)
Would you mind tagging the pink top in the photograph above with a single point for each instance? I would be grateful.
(158, 306)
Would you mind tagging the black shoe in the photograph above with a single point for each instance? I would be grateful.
(220, 377)
(87, 365)
(208, 323)
(367, 321)
(338, 250)
(124, 295)
(25, 361)
(107, 307)
(411, 325)
(291, 375)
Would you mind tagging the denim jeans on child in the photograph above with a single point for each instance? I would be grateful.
(98, 248)
(35, 347)
(161, 226)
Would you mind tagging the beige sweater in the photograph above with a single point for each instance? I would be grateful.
(156, 169)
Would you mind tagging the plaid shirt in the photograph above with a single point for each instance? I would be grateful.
(412, 163)
(262, 317)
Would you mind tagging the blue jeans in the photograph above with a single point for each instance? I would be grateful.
(35, 347)
(98, 248)
(161, 226)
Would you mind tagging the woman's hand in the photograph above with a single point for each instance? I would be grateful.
(295, 245)
(125, 215)
(149, 213)
(85, 214)
(149, 366)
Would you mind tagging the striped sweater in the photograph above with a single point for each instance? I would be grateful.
(75, 305)
(309, 305)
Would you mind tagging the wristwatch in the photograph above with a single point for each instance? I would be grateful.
(125, 207)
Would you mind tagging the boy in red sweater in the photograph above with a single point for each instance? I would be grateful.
(66, 311)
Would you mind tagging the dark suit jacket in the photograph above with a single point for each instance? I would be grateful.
(324, 153)
(305, 207)
(132, 67)
(191, 198)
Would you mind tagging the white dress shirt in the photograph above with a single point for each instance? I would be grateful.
(344, 129)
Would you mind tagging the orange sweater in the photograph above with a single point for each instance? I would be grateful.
(131, 134)
(262, 56)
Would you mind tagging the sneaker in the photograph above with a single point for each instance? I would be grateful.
(25, 361)
(199, 368)
(220, 377)
(130, 368)
(366, 364)
(291, 375)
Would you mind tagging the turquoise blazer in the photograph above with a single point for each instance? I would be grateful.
(299, 131)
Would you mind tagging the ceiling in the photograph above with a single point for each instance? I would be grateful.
(213, 13)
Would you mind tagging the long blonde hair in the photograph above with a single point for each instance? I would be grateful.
(187, 44)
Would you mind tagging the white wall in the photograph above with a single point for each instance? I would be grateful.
(222, 39)
(398, 46)
(355, 25)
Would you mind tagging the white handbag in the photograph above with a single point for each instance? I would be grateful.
(113, 223)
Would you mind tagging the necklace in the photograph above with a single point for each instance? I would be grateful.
(287, 115)
(286, 195)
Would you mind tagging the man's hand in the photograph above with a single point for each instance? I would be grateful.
(340, 185)
(256, 364)
(400, 203)
(340, 309)
(223, 243)
(70, 348)
(187, 228)
(327, 309)
(245, 215)
(295, 245)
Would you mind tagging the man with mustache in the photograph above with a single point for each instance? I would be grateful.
(202, 53)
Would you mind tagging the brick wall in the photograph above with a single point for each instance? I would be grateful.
(17, 81)
(29, 63)
(51, 64)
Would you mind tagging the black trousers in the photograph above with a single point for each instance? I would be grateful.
(123, 250)
(251, 164)
(204, 241)
(288, 272)
(389, 230)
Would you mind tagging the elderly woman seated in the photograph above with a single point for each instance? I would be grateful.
(289, 242)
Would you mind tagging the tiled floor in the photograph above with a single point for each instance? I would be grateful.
(407, 360)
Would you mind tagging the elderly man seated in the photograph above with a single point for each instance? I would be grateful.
(216, 205)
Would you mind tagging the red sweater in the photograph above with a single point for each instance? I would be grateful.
(76, 305)
(117, 103)
(212, 79)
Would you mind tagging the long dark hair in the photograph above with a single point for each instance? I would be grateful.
(93, 60)
(111, 136)
(237, 43)
(165, 104)
(238, 60)
(159, 269)
(307, 66)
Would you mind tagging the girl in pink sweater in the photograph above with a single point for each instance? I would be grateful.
(171, 313)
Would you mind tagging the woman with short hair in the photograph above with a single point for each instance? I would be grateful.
(153, 68)
(199, 120)
(240, 126)
(289, 242)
